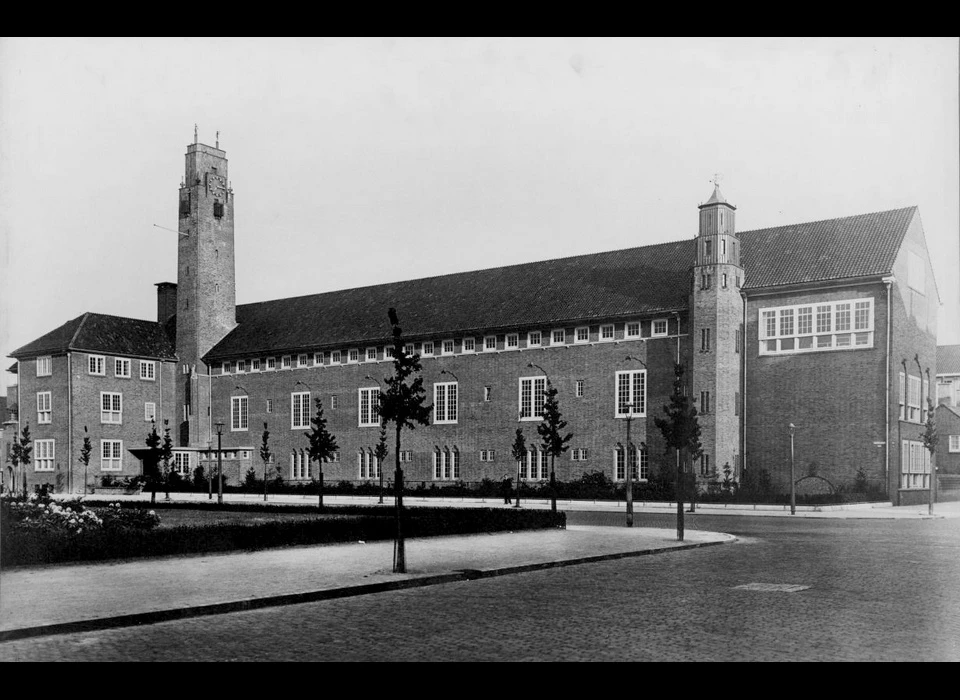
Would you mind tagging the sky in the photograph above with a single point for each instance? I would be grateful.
(361, 161)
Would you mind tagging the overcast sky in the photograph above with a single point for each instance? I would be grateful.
(361, 161)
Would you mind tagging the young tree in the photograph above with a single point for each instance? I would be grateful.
(20, 454)
(380, 452)
(265, 456)
(402, 405)
(152, 461)
(552, 442)
(681, 431)
(519, 452)
(930, 439)
(85, 457)
(322, 443)
(166, 454)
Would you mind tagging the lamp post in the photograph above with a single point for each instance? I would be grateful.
(793, 483)
(933, 466)
(209, 473)
(219, 464)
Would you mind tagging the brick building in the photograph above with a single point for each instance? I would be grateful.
(829, 326)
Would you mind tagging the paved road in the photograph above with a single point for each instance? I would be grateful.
(878, 591)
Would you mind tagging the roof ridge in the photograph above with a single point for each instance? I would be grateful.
(73, 338)
(835, 218)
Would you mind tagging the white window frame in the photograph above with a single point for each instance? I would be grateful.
(44, 407)
(529, 386)
(300, 410)
(181, 462)
(914, 465)
(44, 366)
(626, 329)
(469, 344)
(111, 455)
(654, 333)
(953, 443)
(336, 357)
(44, 455)
(122, 367)
(149, 411)
(255, 364)
(334, 402)
(353, 356)
(286, 362)
(843, 324)
(427, 348)
(271, 364)
(489, 343)
(631, 387)
(534, 339)
(96, 365)
(487, 393)
(605, 329)
(303, 359)
(226, 367)
(914, 398)
(443, 347)
(368, 415)
(585, 332)
(148, 370)
(579, 387)
(241, 366)
(114, 414)
(239, 413)
(369, 352)
(563, 336)
(445, 402)
(512, 341)
(269, 406)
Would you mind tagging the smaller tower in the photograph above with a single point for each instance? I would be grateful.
(717, 336)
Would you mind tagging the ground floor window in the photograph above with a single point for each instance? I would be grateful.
(535, 466)
(181, 463)
(446, 464)
(368, 464)
(299, 465)
(639, 459)
(914, 465)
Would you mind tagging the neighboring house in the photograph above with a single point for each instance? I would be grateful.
(948, 443)
(829, 326)
(948, 374)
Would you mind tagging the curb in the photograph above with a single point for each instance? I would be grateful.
(153, 617)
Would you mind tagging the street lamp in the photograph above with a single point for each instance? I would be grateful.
(629, 453)
(219, 425)
(380, 466)
(209, 473)
(446, 371)
(793, 483)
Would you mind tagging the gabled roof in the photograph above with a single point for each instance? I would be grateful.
(955, 410)
(948, 359)
(854, 246)
(632, 282)
(114, 335)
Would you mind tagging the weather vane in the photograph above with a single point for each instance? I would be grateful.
(716, 179)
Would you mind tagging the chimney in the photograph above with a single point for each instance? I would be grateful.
(166, 301)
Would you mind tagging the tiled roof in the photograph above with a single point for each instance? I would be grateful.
(948, 359)
(634, 281)
(113, 335)
(854, 246)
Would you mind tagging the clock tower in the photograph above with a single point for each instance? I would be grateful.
(206, 291)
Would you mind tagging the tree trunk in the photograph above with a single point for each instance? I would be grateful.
(399, 552)
(264, 482)
(320, 473)
(679, 491)
(553, 486)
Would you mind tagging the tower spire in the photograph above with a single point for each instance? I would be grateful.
(195, 139)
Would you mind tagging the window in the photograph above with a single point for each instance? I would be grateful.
(487, 393)
(44, 414)
(704, 340)
(490, 343)
(110, 455)
(368, 464)
(241, 366)
(705, 280)
(271, 364)
(427, 348)
(299, 467)
(446, 348)
(371, 354)
(111, 407)
(487, 455)
(409, 349)
(445, 402)
(446, 464)
(226, 367)
(148, 370)
(149, 411)
(559, 337)
(513, 340)
(181, 463)
(96, 364)
(708, 249)
(44, 453)
(299, 410)
(406, 455)
(369, 407)
(724, 280)
(535, 466)
(903, 396)
(44, 366)
(704, 465)
(582, 334)
(631, 393)
(914, 465)
(954, 445)
(218, 210)
(736, 403)
(658, 328)
(534, 339)
(579, 387)
(334, 402)
(704, 402)
(638, 458)
(606, 332)
(913, 399)
(285, 362)
(318, 359)
(336, 357)
(469, 344)
(633, 330)
(579, 454)
(333, 457)
(269, 406)
(532, 397)
(255, 365)
(738, 338)
(238, 412)
(808, 328)
(303, 360)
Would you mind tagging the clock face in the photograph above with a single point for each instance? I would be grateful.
(214, 183)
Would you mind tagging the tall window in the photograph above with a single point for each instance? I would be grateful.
(368, 464)
(181, 463)
(110, 455)
(148, 370)
(446, 464)
(303, 359)
(336, 357)
(238, 412)
(427, 348)
(96, 364)
(271, 364)
(704, 402)
(111, 407)
(810, 328)
(149, 411)
(704, 465)
(738, 339)
(255, 364)
(639, 460)
(631, 397)
(704, 340)
(913, 399)
(531, 397)
(299, 410)
(579, 387)
(44, 413)
(299, 465)
(445, 402)
(914, 465)
(903, 396)
(44, 454)
(44, 366)
(536, 465)
(369, 407)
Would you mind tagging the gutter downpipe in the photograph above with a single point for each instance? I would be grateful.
(69, 422)
(743, 395)
(888, 281)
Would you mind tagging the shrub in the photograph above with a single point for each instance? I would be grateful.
(115, 518)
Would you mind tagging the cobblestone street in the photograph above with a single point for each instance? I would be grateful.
(878, 591)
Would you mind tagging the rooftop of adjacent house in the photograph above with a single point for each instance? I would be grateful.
(114, 335)
(948, 359)
(635, 281)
